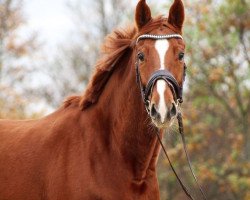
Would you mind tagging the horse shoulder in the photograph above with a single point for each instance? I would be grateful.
(41, 154)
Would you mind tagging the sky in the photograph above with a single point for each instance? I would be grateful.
(49, 18)
(52, 21)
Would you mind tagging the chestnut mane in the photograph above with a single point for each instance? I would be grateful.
(115, 46)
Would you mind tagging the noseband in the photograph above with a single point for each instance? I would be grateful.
(146, 92)
(165, 75)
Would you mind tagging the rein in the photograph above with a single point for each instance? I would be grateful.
(177, 93)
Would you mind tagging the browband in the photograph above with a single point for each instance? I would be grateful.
(158, 37)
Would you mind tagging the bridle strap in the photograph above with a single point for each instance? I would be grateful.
(142, 90)
(168, 77)
(160, 74)
(177, 93)
(184, 188)
(181, 130)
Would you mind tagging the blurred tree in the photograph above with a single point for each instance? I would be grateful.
(14, 53)
(75, 61)
(217, 106)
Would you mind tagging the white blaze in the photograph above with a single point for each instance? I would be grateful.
(162, 47)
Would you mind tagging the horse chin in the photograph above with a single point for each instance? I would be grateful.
(162, 126)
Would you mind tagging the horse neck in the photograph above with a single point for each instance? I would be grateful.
(130, 128)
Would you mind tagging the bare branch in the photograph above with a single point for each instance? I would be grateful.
(237, 93)
(243, 43)
(221, 97)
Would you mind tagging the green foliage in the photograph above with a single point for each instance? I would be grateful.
(217, 103)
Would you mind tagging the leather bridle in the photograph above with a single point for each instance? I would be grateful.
(159, 74)
(146, 92)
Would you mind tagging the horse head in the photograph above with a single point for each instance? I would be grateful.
(160, 63)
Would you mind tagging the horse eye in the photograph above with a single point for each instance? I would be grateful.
(141, 56)
(181, 56)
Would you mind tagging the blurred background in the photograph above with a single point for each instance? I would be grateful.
(48, 50)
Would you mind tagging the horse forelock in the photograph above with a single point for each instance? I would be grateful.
(113, 50)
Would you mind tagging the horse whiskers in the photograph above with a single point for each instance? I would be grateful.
(152, 128)
(148, 120)
(174, 127)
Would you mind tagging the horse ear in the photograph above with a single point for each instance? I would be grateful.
(142, 14)
(177, 14)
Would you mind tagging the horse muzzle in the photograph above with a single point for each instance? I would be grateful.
(163, 109)
(163, 118)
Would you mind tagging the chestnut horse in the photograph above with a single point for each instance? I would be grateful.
(102, 145)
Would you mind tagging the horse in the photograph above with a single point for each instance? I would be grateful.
(103, 144)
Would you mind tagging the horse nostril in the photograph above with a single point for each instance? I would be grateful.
(153, 112)
(173, 110)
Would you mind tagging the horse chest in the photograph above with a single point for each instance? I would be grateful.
(102, 185)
